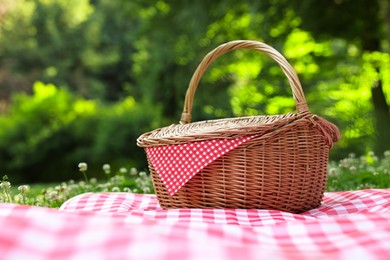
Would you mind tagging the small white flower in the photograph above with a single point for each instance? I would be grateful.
(344, 163)
(133, 171)
(83, 167)
(18, 197)
(123, 170)
(127, 189)
(5, 185)
(117, 179)
(107, 168)
(116, 189)
(332, 171)
(52, 195)
(101, 186)
(24, 189)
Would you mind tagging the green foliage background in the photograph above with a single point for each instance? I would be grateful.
(81, 80)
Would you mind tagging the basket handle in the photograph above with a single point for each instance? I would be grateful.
(298, 95)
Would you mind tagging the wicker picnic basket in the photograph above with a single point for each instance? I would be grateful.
(283, 167)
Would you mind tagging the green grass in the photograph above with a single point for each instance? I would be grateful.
(53, 195)
(352, 173)
(355, 173)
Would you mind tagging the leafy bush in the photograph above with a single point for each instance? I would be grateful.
(44, 135)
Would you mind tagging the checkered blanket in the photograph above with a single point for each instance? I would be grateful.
(348, 225)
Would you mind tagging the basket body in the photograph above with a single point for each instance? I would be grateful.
(282, 166)
(287, 172)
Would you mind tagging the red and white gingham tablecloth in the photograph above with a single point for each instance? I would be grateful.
(349, 225)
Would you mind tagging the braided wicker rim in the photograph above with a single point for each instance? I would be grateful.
(216, 129)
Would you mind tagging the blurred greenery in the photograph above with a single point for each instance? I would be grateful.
(45, 135)
(81, 80)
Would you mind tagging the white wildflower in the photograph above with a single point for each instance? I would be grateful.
(127, 189)
(115, 189)
(332, 171)
(52, 196)
(83, 167)
(24, 189)
(5, 185)
(343, 163)
(107, 168)
(133, 171)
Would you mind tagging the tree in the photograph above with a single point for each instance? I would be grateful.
(366, 23)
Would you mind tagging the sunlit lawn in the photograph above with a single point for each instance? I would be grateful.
(364, 172)
(53, 195)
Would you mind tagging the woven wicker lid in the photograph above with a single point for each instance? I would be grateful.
(229, 127)
(216, 129)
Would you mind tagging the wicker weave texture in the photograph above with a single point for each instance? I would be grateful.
(287, 172)
(284, 168)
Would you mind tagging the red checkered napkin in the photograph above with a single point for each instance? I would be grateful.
(177, 164)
